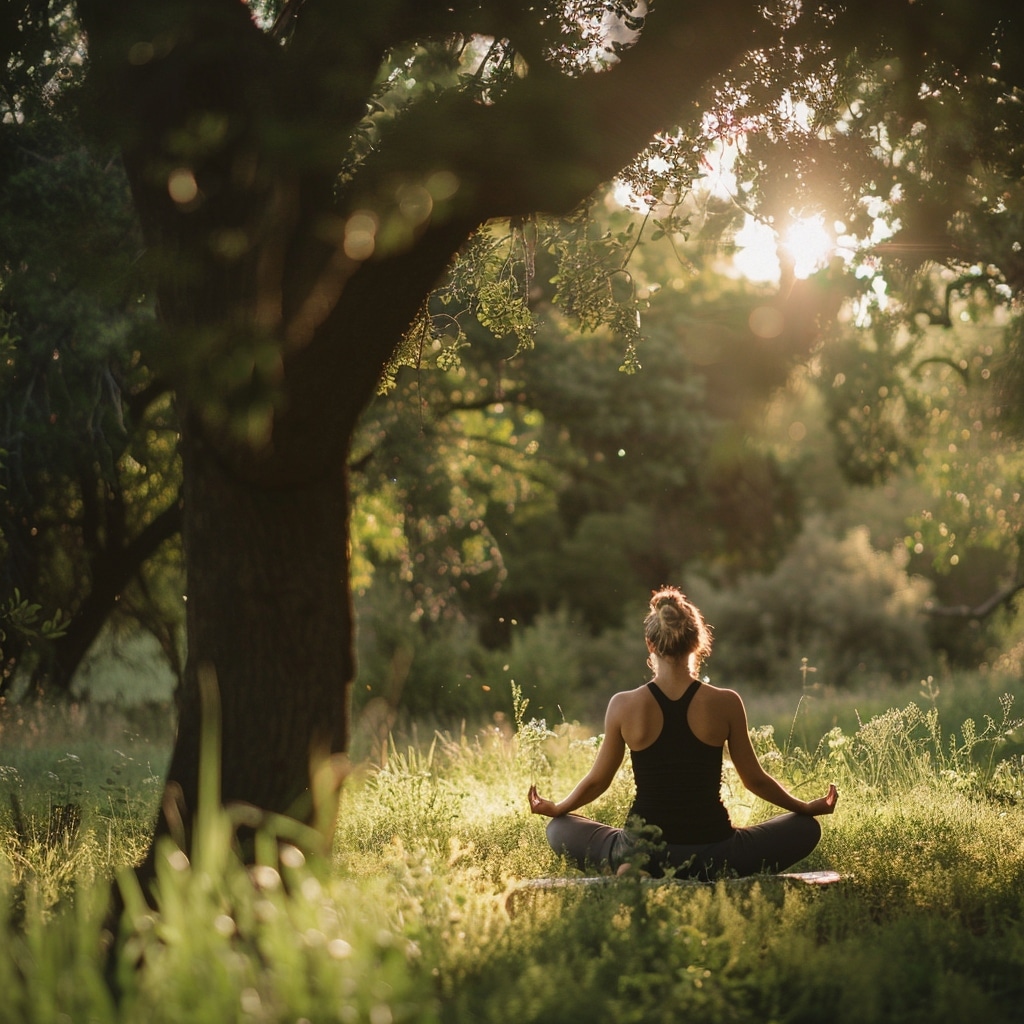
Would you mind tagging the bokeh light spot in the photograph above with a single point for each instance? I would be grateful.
(766, 321)
(181, 184)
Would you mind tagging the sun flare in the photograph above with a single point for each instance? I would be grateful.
(806, 245)
(809, 244)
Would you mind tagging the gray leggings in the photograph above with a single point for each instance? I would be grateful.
(771, 846)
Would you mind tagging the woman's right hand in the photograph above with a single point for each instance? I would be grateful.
(825, 804)
(541, 805)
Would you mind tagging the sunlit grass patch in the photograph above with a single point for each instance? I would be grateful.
(952, 852)
(80, 787)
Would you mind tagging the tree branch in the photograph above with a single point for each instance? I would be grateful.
(108, 582)
(388, 24)
(563, 136)
(545, 145)
(981, 611)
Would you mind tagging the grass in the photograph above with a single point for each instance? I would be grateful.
(407, 920)
(801, 720)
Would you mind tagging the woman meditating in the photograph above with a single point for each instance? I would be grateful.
(676, 727)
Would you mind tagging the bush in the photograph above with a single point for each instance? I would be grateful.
(435, 671)
(544, 659)
(440, 672)
(849, 609)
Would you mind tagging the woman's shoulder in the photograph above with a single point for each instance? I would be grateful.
(718, 712)
(721, 696)
(630, 703)
(631, 714)
(630, 698)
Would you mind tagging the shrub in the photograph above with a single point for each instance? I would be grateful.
(544, 659)
(431, 670)
(440, 672)
(847, 607)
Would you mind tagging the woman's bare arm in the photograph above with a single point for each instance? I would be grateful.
(754, 777)
(599, 778)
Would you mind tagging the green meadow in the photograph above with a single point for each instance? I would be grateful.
(417, 915)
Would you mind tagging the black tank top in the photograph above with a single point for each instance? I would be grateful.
(679, 778)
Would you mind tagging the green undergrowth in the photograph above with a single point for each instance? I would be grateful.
(408, 918)
(79, 789)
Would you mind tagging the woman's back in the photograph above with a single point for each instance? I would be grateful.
(678, 773)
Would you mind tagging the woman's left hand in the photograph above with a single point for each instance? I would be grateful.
(541, 805)
(825, 804)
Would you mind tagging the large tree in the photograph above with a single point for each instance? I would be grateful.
(304, 181)
(287, 262)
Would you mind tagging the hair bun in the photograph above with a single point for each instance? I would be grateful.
(675, 627)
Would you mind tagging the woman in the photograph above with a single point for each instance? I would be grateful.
(676, 727)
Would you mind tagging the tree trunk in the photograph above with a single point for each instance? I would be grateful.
(270, 620)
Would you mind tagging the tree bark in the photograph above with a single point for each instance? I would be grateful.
(269, 615)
